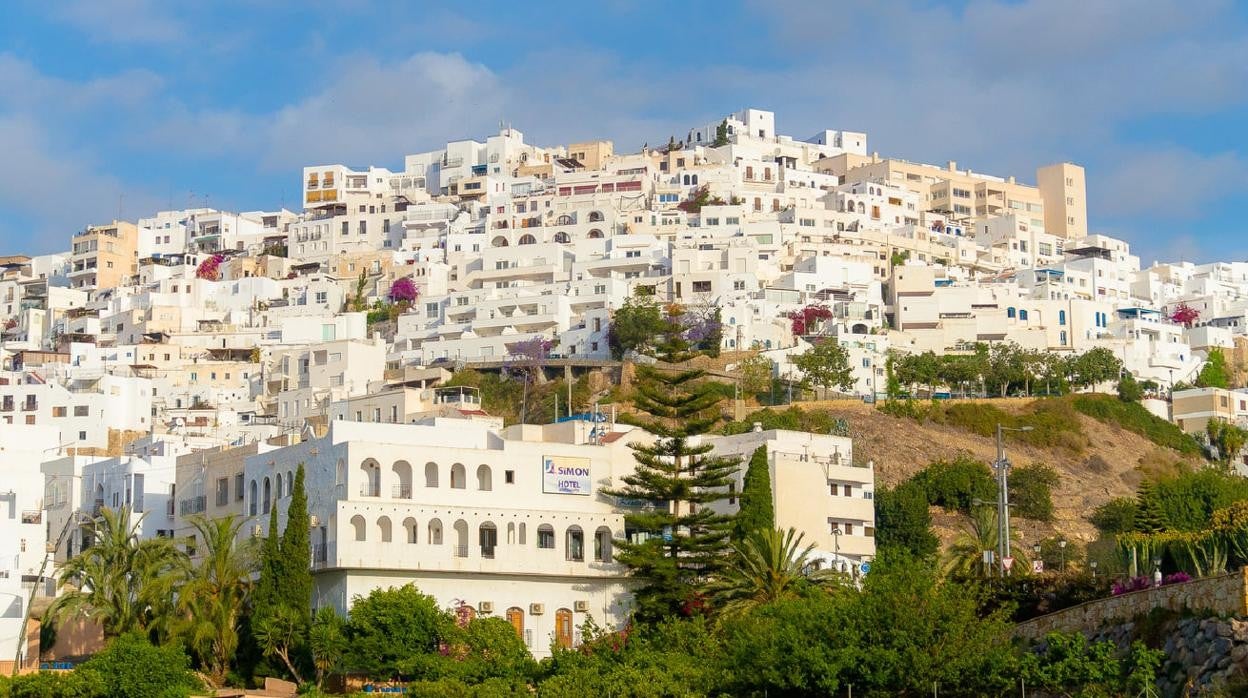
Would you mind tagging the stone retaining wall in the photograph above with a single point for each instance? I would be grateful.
(1224, 595)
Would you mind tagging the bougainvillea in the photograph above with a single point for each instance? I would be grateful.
(404, 291)
(1185, 315)
(210, 269)
(804, 320)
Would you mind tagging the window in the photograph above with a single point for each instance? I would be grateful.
(82, 436)
(223, 491)
(509, 477)
(59, 411)
(238, 487)
(322, 297)
(738, 285)
(546, 537)
(701, 287)
(575, 549)
(82, 411)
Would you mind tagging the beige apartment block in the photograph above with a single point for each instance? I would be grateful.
(1063, 188)
(1192, 409)
(104, 256)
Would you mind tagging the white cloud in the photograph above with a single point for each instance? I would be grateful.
(1170, 183)
(121, 21)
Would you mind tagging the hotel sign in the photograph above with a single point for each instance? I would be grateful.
(566, 475)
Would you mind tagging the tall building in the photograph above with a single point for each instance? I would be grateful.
(1065, 197)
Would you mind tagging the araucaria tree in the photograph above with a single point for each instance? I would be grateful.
(682, 540)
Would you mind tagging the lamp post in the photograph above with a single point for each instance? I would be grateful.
(1092, 564)
(1035, 549)
(1156, 572)
(1003, 495)
(1062, 544)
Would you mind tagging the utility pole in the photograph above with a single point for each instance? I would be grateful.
(1003, 495)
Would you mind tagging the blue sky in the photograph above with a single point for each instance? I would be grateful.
(129, 105)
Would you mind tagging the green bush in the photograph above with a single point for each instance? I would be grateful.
(1187, 502)
(132, 667)
(70, 684)
(1031, 491)
(1115, 516)
(955, 484)
(906, 409)
(793, 419)
(902, 520)
(1134, 417)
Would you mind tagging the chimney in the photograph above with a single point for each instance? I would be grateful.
(952, 165)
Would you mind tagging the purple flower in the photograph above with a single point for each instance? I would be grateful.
(404, 291)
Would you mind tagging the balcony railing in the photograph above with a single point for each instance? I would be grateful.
(402, 492)
(370, 490)
(461, 551)
(487, 552)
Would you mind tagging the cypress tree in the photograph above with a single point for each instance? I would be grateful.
(266, 594)
(757, 511)
(296, 553)
(683, 540)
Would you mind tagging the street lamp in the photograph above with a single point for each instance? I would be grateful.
(1035, 549)
(1003, 495)
(1062, 544)
(1092, 564)
(1157, 571)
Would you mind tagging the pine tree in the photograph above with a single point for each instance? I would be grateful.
(296, 553)
(684, 539)
(1150, 517)
(757, 511)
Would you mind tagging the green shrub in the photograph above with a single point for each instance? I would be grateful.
(1031, 491)
(903, 521)
(132, 667)
(1053, 423)
(793, 419)
(955, 484)
(1115, 516)
(1187, 502)
(906, 409)
(1134, 417)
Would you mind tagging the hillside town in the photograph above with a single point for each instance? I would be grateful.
(193, 364)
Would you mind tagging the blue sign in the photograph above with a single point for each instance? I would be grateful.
(667, 534)
(864, 567)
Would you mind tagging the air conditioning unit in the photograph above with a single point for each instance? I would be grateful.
(581, 606)
(486, 607)
(537, 609)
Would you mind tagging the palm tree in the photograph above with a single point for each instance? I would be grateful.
(766, 566)
(212, 600)
(965, 558)
(123, 583)
(278, 635)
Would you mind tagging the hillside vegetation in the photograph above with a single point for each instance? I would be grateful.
(1098, 447)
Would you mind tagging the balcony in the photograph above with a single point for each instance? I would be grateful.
(462, 550)
(401, 492)
(370, 490)
(97, 507)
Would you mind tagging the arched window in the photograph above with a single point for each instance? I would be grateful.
(255, 496)
(268, 495)
(767, 173)
(574, 548)
(435, 532)
(595, 217)
(527, 239)
(563, 628)
(602, 544)
(1061, 318)
(459, 477)
(546, 536)
(431, 474)
(520, 538)
(499, 241)
(410, 525)
(1022, 315)
(565, 219)
(357, 523)
(511, 533)
(485, 480)
(279, 486)
(562, 238)
(694, 180)
(515, 616)
(340, 473)
(487, 537)
(383, 525)
(461, 538)
(685, 180)
(371, 487)
(290, 483)
(1010, 312)
(862, 208)
(595, 234)
(402, 480)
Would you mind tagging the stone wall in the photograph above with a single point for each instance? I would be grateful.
(1203, 656)
(1224, 595)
